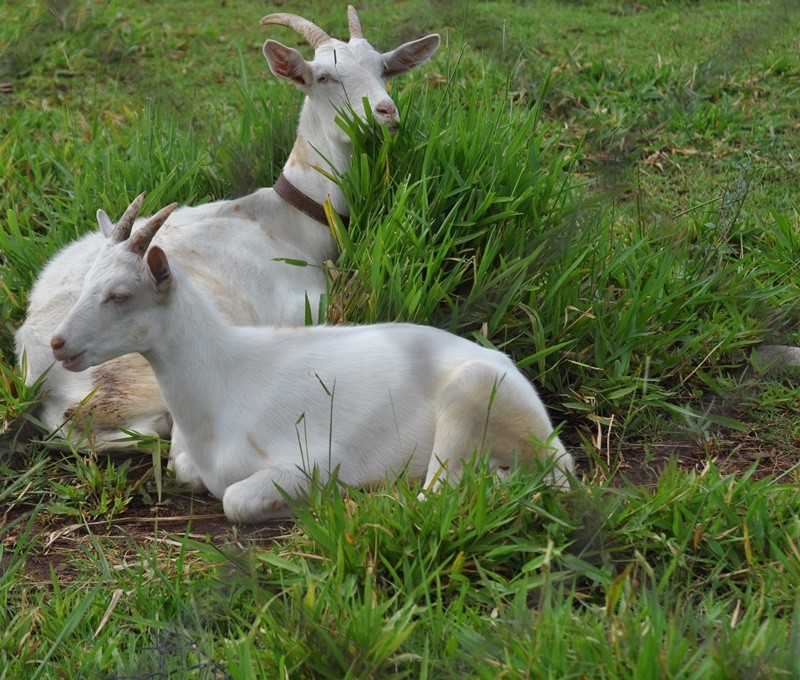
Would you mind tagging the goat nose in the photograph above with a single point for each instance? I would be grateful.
(57, 342)
(387, 110)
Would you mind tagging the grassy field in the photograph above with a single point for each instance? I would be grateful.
(608, 191)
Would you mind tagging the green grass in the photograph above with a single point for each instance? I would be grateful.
(606, 191)
(694, 578)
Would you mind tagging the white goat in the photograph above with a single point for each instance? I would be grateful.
(234, 250)
(259, 408)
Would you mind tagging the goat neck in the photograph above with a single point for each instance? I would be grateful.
(316, 155)
(210, 368)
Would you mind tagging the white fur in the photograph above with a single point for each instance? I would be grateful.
(260, 407)
(230, 248)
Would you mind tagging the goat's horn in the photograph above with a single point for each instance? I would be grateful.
(353, 23)
(123, 228)
(309, 30)
(141, 239)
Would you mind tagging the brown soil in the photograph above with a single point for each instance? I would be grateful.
(62, 542)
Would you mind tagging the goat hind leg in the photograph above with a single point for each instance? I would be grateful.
(485, 410)
(461, 422)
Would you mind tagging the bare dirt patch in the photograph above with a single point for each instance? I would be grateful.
(60, 544)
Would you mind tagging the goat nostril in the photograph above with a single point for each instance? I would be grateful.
(388, 110)
(57, 342)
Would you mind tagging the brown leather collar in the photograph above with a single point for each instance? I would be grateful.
(304, 203)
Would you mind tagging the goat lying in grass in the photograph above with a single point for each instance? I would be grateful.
(259, 408)
(236, 250)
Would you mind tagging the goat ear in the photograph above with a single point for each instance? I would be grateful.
(287, 63)
(158, 266)
(106, 225)
(409, 56)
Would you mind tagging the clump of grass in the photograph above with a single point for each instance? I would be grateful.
(488, 577)
(694, 576)
(93, 489)
(488, 235)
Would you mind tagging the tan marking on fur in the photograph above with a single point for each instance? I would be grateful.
(238, 311)
(276, 505)
(257, 448)
(207, 435)
(140, 333)
(299, 154)
(125, 390)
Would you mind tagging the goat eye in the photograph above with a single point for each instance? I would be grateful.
(117, 298)
(325, 79)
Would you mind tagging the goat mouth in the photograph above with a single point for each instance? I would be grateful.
(71, 363)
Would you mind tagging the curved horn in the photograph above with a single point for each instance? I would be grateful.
(309, 30)
(353, 23)
(123, 228)
(141, 239)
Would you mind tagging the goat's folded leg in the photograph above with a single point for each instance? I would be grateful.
(186, 472)
(258, 498)
(448, 468)
(176, 446)
(499, 416)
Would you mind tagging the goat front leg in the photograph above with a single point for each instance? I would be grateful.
(180, 461)
(257, 498)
